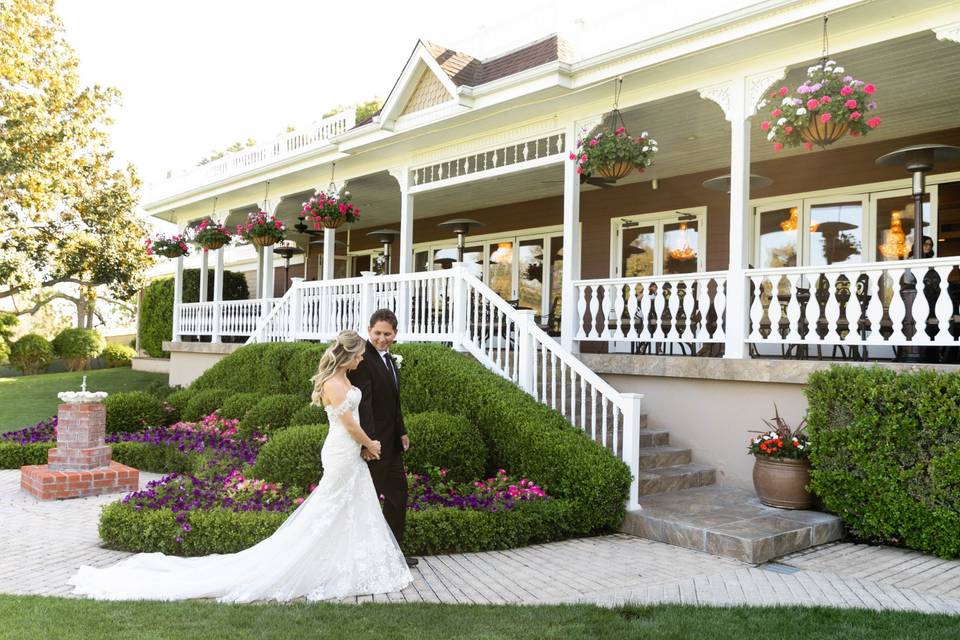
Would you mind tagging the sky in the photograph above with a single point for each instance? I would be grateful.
(198, 75)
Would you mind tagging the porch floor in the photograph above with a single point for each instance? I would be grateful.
(729, 522)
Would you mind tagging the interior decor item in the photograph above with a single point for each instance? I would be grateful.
(829, 104)
(609, 152)
(781, 469)
(168, 247)
(262, 229)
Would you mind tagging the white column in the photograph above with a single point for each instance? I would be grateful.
(631, 444)
(739, 238)
(571, 245)
(526, 352)
(296, 308)
(366, 301)
(259, 252)
(405, 264)
(218, 295)
(204, 271)
(459, 302)
(177, 299)
(329, 253)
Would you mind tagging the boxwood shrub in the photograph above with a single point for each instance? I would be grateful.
(203, 403)
(179, 399)
(133, 411)
(118, 355)
(31, 354)
(271, 414)
(886, 455)
(309, 414)
(446, 441)
(292, 456)
(78, 347)
(587, 485)
(14, 455)
(235, 407)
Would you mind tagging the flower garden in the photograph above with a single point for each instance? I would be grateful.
(240, 449)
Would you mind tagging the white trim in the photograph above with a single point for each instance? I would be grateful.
(419, 59)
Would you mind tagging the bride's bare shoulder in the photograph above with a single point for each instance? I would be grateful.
(335, 391)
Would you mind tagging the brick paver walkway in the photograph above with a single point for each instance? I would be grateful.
(44, 542)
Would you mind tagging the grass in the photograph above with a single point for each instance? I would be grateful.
(37, 617)
(25, 400)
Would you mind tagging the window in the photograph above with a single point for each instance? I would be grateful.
(811, 231)
(892, 218)
(671, 242)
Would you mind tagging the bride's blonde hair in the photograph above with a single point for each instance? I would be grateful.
(341, 351)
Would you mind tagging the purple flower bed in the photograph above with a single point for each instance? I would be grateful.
(499, 493)
(43, 431)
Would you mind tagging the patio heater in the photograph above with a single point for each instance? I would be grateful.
(287, 251)
(385, 237)
(445, 263)
(722, 183)
(917, 160)
(461, 227)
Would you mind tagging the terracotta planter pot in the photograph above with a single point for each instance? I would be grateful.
(823, 133)
(781, 482)
(333, 224)
(616, 170)
(213, 246)
(263, 241)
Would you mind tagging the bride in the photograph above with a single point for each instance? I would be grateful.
(336, 544)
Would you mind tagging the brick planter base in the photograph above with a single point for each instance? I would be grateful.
(47, 484)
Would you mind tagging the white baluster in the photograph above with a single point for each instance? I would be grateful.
(793, 309)
(581, 310)
(775, 311)
(920, 307)
(632, 303)
(674, 306)
(687, 304)
(659, 302)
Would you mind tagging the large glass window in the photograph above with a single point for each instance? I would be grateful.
(530, 274)
(637, 247)
(894, 223)
(658, 243)
(501, 269)
(680, 242)
(836, 233)
(779, 238)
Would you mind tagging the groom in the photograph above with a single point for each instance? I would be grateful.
(380, 417)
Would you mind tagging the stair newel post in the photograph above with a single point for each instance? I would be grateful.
(526, 351)
(631, 443)
(459, 307)
(366, 300)
(296, 309)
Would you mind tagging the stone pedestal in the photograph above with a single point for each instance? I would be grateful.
(80, 465)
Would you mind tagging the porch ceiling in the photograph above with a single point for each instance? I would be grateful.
(918, 81)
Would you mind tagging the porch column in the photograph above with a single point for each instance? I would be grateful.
(569, 321)
(204, 271)
(218, 295)
(268, 272)
(177, 299)
(329, 253)
(405, 266)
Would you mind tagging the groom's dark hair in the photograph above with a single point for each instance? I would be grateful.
(384, 315)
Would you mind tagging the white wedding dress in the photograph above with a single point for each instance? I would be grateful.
(336, 544)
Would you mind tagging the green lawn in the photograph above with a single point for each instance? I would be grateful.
(27, 399)
(36, 617)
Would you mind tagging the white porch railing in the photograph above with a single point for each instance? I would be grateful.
(874, 304)
(227, 318)
(675, 309)
(455, 307)
(283, 146)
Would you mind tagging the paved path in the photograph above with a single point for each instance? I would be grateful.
(42, 544)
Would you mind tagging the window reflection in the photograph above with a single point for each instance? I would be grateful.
(895, 226)
(835, 233)
(680, 247)
(779, 238)
(637, 251)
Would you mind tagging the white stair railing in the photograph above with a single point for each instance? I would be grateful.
(454, 306)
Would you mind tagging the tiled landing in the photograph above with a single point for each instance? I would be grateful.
(729, 522)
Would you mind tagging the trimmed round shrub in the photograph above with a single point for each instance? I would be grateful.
(203, 403)
(310, 414)
(269, 368)
(4, 352)
(178, 400)
(271, 414)
(31, 354)
(118, 355)
(133, 411)
(292, 456)
(236, 406)
(156, 310)
(77, 347)
(445, 441)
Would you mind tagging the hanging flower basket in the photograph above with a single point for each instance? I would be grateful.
(330, 210)
(827, 106)
(613, 154)
(262, 229)
(210, 235)
(172, 247)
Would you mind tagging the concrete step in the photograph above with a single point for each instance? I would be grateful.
(684, 476)
(729, 522)
(654, 437)
(659, 457)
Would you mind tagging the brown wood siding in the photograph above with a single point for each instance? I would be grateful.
(807, 172)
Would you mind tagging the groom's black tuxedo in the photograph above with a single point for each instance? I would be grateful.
(381, 419)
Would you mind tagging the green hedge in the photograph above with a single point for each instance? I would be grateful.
(236, 406)
(445, 441)
(271, 414)
(147, 457)
(292, 457)
(310, 414)
(156, 310)
(179, 400)
(118, 355)
(31, 354)
(14, 456)
(133, 410)
(886, 454)
(587, 485)
(203, 403)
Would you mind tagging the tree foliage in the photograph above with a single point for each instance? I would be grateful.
(67, 217)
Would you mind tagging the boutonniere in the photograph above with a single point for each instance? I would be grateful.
(397, 361)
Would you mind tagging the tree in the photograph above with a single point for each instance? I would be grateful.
(364, 109)
(68, 218)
